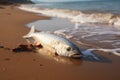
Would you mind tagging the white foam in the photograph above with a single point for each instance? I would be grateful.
(101, 33)
(89, 54)
(75, 16)
(61, 32)
(116, 44)
(114, 51)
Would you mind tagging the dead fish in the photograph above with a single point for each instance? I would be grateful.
(57, 44)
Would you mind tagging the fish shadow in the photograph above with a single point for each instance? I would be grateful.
(79, 60)
(67, 60)
(96, 58)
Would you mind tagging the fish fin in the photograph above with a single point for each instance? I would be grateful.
(32, 30)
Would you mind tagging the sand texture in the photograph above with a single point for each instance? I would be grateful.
(29, 65)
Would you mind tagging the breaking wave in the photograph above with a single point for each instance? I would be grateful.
(76, 16)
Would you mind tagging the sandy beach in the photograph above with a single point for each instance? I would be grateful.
(32, 66)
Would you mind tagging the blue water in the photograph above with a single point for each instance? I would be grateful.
(112, 6)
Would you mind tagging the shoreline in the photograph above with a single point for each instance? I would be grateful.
(32, 66)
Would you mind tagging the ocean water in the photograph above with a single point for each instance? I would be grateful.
(105, 12)
(88, 23)
(112, 6)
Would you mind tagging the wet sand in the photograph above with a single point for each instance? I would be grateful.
(33, 66)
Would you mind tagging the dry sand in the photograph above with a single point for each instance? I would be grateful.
(32, 66)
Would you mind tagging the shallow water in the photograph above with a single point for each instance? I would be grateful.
(100, 37)
(52, 24)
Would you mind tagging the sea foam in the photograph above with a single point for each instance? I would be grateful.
(76, 16)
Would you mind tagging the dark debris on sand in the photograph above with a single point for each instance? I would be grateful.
(1, 46)
(23, 48)
(20, 48)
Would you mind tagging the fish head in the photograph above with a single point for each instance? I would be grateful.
(73, 52)
(69, 51)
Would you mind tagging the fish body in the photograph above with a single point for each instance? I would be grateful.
(58, 44)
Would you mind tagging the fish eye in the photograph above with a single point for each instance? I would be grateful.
(69, 49)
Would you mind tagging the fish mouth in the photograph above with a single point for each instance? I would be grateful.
(76, 56)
